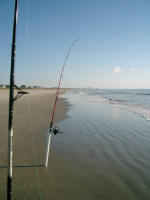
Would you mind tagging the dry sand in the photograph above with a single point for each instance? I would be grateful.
(31, 120)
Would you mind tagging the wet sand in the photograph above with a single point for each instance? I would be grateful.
(109, 150)
(31, 119)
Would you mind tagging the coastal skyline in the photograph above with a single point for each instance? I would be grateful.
(113, 50)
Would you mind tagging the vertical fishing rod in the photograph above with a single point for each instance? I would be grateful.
(56, 130)
(12, 98)
(11, 106)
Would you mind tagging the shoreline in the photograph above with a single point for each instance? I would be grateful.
(32, 114)
(101, 147)
(109, 150)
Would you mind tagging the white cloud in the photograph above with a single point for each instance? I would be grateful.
(131, 70)
(117, 69)
(120, 70)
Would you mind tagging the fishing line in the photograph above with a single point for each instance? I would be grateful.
(26, 33)
(27, 23)
(34, 149)
(29, 107)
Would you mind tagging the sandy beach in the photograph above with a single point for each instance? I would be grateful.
(102, 154)
(31, 121)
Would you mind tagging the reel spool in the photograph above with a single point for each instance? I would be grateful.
(56, 130)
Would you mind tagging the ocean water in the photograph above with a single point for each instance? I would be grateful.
(134, 100)
(106, 143)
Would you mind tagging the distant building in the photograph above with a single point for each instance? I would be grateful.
(2, 86)
(36, 86)
(23, 86)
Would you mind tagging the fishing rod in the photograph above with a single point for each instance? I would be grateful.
(56, 130)
(12, 98)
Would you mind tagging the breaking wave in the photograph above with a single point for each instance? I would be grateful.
(121, 99)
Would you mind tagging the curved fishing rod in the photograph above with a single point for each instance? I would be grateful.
(52, 119)
(55, 130)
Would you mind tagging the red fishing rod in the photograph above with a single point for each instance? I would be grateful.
(55, 130)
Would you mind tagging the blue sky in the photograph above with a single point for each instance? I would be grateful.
(113, 50)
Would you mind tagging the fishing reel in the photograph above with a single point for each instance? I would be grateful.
(56, 130)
